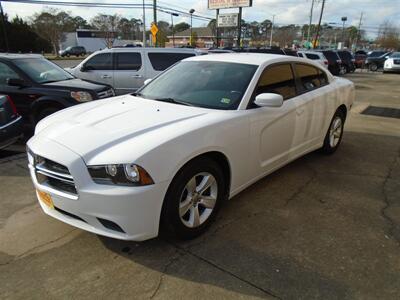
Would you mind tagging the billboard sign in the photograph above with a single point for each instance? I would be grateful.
(221, 4)
(228, 20)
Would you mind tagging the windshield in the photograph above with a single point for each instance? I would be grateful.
(395, 55)
(41, 70)
(210, 84)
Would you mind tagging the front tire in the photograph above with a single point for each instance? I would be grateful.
(193, 198)
(373, 67)
(334, 135)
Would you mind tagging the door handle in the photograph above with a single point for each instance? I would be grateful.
(105, 76)
(137, 76)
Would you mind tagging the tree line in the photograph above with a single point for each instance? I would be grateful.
(44, 32)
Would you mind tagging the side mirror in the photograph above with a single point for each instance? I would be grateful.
(147, 81)
(269, 100)
(16, 82)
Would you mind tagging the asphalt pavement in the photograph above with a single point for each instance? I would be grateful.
(323, 227)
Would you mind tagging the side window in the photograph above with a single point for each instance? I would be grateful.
(277, 79)
(102, 61)
(300, 54)
(310, 77)
(162, 61)
(6, 73)
(128, 61)
(312, 56)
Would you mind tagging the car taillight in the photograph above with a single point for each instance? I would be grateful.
(12, 105)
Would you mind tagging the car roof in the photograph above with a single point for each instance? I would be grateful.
(245, 58)
(140, 49)
(12, 56)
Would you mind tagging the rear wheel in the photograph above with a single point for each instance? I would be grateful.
(193, 198)
(373, 67)
(334, 135)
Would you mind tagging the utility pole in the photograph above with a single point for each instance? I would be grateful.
(319, 24)
(239, 27)
(358, 31)
(272, 30)
(3, 20)
(216, 28)
(309, 24)
(144, 25)
(155, 16)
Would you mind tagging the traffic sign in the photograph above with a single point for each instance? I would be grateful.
(154, 29)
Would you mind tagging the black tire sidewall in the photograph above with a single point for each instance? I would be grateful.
(170, 218)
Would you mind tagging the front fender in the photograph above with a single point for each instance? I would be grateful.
(50, 100)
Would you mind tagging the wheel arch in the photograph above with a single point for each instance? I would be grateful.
(48, 102)
(343, 109)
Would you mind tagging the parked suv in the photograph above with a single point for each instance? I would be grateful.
(347, 60)
(39, 87)
(76, 50)
(126, 69)
(334, 62)
(314, 55)
(374, 63)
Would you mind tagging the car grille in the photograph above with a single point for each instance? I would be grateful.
(54, 175)
(106, 94)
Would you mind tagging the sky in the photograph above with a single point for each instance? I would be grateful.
(285, 11)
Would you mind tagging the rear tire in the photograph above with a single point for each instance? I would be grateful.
(193, 199)
(334, 135)
(373, 67)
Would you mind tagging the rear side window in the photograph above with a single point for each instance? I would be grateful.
(162, 61)
(128, 61)
(101, 61)
(312, 56)
(310, 77)
(277, 79)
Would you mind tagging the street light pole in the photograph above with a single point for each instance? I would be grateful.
(272, 30)
(191, 11)
(344, 19)
(172, 27)
(144, 25)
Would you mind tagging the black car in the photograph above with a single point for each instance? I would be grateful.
(76, 50)
(347, 60)
(334, 62)
(39, 87)
(373, 63)
(10, 122)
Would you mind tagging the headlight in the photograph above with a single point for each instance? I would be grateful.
(121, 174)
(81, 96)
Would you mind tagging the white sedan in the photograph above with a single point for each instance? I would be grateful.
(198, 134)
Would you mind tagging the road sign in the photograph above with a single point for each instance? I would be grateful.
(228, 20)
(220, 4)
(154, 29)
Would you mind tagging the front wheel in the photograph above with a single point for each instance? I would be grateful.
(335, 133)
(373, 67)
(193, 198)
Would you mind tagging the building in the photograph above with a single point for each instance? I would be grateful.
(204, 38)
(92, 40)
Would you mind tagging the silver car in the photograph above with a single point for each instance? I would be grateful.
(126, 69)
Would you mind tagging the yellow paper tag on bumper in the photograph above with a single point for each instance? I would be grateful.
(46, 199)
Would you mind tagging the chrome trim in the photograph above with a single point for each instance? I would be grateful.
(47, 171)
(12, 122)
(55, 177)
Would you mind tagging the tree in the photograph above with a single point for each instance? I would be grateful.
(22, 38)
(108, 25)
(388, 36)
(181, 27)
(51, 25)
(163, 32)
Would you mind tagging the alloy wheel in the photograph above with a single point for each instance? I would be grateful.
(335, 132)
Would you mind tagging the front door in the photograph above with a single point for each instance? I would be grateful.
(99, 68)
(129, 73)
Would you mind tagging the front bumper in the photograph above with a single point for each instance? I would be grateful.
(134, 210)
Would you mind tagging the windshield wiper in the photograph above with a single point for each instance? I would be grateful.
(172, 100)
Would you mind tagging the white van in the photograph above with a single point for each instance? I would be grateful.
(126, 69)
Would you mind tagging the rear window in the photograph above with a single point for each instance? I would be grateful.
(310, 77)
(312, 56)
(162, 61)
(128, 61)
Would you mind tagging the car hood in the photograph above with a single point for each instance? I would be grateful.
(75, 84)
(91, 128)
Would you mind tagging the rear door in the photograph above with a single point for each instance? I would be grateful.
(98, 68)
(129, 72)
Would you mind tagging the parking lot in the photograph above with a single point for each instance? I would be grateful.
(324, 227)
